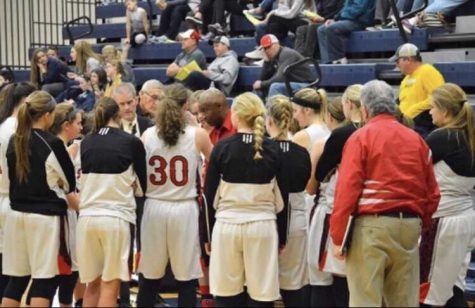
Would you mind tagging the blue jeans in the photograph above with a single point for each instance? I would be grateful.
(261, 30)
(280, 88)
(435, 6)
(332, 39)
(266, 5)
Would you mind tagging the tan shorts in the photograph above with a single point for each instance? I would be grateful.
(4, 209)
(169, 232)
(103, 248)
(31, 245)
(293, 267)
(245, 254)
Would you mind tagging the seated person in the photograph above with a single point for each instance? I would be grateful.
(48, 74)
(333, 35)
(189, 44)
(136, 24)
(276, 59)
(220, 7)
(172, 14)
(434, 14)
(223, 71)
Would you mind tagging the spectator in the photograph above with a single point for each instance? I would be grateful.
(219, 8)
(136, 24)
(202, 17)
(150, 95)
(99, 81)
(189, 44)
(333, 35)
(288, 17)
(109, 52)
(173, 13)
(276, 59)
(53, 52)
(434, 14)
(194, 107)
(306, 37)
(114, 71)
(416, 87)
(386, 181)
(86, 99)
(85, 58)
(48, 74)
(126, 98)
(223, 71)
(452, 237)
(260, 12)
(216, 113)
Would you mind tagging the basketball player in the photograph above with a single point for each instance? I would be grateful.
(327, 275)
(113, 167)
(445, 247)
(244, 191)
(42, 185)
(169, 230)
(67, 126)
(13, 96)
(293, 270)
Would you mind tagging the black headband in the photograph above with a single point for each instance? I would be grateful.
(305, 103)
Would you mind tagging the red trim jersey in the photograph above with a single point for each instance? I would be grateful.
(385, 168)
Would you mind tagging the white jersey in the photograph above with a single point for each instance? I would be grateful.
(7, 129)
(172, 172)
(316, 132)
(455, 191)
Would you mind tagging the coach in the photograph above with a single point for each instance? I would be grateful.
(386, 180)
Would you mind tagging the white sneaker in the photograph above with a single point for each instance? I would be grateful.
(343, 60)
(259, 63)
(256, 54)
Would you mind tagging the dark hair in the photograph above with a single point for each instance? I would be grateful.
(37, 104)
(106, 109)
(170, 120)
(102, 75)
(63, 113)
(13, 94)
(53, 47)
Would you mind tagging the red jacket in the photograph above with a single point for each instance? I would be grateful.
(385, 168)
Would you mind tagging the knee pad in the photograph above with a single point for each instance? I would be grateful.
(44, 288)
(67, 283)
(16, 287)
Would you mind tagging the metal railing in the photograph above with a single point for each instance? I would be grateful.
(36, 23)
(405, 16)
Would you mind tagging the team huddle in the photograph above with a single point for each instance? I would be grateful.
(255, 198)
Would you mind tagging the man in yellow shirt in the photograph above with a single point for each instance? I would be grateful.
(416, 87)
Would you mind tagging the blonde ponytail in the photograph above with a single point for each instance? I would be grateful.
(279, 108)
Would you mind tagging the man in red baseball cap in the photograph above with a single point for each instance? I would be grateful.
(276, 59)
(189, 44)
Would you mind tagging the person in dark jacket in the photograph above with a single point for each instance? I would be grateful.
(333, 35)
(276, 59)
(48, 73)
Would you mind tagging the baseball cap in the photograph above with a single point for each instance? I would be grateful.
(221, 39)
(405, 51)
(267, 40)
(190, 33)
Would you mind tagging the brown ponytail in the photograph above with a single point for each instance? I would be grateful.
(36, 105)
(170, 120)
(106, 109)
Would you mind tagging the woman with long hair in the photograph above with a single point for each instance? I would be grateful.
(67, 126)
(445, 248)
(114, 70)
(48, 74)
(11, 97)
(170, 220)
(112, 169)
(245, 189)
(293, 270)
(42, 186)
(85, 59)
(110, 52)
(327, 275)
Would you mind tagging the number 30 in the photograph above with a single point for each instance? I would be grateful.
(159, 177)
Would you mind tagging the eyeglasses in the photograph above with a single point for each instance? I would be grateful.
(154, 97)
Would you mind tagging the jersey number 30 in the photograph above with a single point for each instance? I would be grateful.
(160, 173)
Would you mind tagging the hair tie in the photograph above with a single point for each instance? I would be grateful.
(463, 102)
(304, 103)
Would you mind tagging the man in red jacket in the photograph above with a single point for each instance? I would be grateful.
(386, 181)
